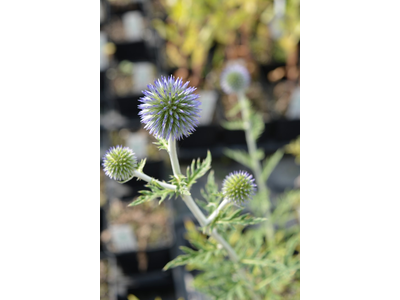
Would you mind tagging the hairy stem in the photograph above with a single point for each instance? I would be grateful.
(193, 206)
(148, 179)
(202, 219)
(173, 156)
(216, 212)
(252, 147)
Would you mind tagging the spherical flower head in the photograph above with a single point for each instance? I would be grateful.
(235, 79)
(119, 163)
(169, 108)
(239, 187)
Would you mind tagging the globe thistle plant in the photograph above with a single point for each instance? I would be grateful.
(239, 187)
(119, 163)
(235, 79)
(169, 108)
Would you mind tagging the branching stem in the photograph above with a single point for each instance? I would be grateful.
(193, 206)
(216, 212)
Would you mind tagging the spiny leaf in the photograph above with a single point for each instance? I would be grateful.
(272, 278)
(192, 257)
(233, 125)
(256, 124)
(239, 219)
(270, 163)
(141, 165)
(201, 203)
(187, 250)
(155, 192)
(178, 261)
(181, 185)
(197, 169)
(161, 143)
(264, 262)
(243, 157)
(211, 193)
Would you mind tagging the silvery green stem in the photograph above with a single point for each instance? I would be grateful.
(193, 206)
(149, 179)
(194, 209)
(252, 147)
(173, 156)
(216, 212)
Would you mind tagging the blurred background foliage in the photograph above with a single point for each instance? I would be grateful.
(202, 35)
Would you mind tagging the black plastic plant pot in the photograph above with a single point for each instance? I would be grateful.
(133, 51)
(151, 286)
(103, 226)
(287, 130)
(268, 133)
(156, 260)
(102, 219)
(128, 106)
(233, 137)
(205, 137)
(121, 9)
(102, 81)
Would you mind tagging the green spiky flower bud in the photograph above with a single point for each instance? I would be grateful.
(239, 187)
(119, 163)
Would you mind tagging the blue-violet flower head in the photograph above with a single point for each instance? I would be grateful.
(169, 108)
(119, 163)
(235, 79)
(239, 187)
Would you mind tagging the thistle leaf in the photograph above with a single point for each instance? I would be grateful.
(155, 192)
(141, 165)
(243, 157)
(161, 143)
(238, 219)
(270, 164)
(197, 170)
(233, 125)
(256, 124)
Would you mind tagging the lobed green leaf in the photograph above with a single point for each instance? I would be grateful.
(197, 170)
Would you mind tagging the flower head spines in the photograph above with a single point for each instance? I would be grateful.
(234, 79)
(169, 108)
(239, 187)
(119, 163)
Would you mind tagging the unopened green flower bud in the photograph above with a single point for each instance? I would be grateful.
(119, 163)
(239, 187)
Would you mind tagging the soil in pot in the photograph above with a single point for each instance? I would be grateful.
(104, 291)
(148, 235)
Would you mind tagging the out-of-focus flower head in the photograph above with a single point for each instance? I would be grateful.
(235, 79)
(119, 163)
(239, 187)
(169, 108)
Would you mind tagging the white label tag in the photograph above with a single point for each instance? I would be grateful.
(293, 112)
(143, 73)
(208, 103)
(133, 26)
(123, 238)
(138, 143)
(103, 55)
